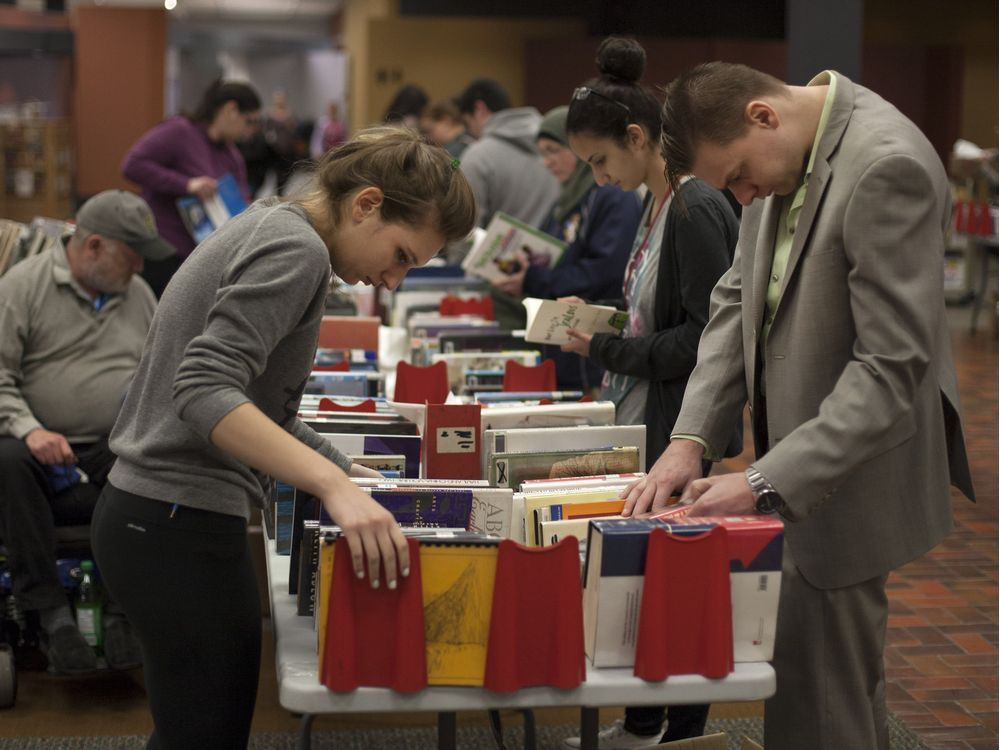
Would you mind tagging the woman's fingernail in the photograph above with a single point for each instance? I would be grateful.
(392, 585)
(374, 583)
(405, 571)
(359, 573)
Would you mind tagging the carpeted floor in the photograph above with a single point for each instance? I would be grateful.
(477, 738)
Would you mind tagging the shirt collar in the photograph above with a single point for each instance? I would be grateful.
(826, 78)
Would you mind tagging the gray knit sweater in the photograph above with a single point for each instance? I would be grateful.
(238, 322)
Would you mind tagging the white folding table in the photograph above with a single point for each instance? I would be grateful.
(300, 691)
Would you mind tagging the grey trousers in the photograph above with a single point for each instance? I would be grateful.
(828, 662)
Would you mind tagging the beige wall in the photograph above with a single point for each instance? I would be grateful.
(442, 55)
(970, 24)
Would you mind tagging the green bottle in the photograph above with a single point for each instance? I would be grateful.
(89, 607)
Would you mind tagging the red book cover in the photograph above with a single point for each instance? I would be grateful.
(452, 441)
(374, 637)
(685, 620)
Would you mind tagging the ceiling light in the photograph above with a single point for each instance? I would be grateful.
(169, 4)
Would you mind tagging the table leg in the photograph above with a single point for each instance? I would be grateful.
(588, 728)
(305, 732)
(529, 728)
(447, 722)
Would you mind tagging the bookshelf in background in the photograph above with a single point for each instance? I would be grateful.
(36, 159)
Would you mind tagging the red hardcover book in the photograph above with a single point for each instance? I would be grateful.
(374, 637)
(452, 441)
(685, 620)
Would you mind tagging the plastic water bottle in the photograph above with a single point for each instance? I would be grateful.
(89, 607)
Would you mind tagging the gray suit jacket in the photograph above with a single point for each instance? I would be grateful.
(862, 404)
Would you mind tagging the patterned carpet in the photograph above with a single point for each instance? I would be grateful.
(477, 738)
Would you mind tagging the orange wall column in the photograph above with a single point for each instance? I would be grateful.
(120, 62)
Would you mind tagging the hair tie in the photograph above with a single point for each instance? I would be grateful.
(454, 164)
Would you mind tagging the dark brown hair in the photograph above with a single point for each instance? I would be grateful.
(707, 105)
(605, 106)
(421, 183)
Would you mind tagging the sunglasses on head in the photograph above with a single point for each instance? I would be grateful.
(582, 92)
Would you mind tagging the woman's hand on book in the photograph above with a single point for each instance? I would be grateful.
(204, 186)
(372, 534)
(579, 342)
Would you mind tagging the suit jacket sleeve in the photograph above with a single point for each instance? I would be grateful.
(893, 244)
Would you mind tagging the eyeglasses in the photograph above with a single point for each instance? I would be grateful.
(582, 92)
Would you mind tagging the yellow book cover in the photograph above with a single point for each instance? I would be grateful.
(458, 598)
(322, 609)
(533, 502)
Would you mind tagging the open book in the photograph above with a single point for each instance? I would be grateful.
(204, 216)
(548, 319)
(495, 256)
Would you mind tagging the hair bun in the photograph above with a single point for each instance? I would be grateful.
(621, 58)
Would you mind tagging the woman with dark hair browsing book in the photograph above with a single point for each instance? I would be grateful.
(597, 223)
(186, 155)
(212, 411)
(684, 243)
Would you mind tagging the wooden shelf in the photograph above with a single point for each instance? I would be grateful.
(36, 163)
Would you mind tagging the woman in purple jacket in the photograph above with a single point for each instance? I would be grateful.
(185, 155)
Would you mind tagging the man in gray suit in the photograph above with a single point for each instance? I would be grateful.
(831, 323)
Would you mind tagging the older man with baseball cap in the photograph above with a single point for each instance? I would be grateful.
(73, 320)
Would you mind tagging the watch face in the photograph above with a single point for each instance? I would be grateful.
(767, 502)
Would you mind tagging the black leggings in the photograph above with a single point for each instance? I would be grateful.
(188, 587)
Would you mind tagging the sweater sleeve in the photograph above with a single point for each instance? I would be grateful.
(151, 162)
(306, 434)
(596, 260)
(699, 239)
(16, 417)
(264, 295)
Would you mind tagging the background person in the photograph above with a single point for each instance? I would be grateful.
(597, 223)
(855, 410)
(684, 243)
(72, 324)
(503, 165)
(442, 124)
(185, 156)
(212, 410)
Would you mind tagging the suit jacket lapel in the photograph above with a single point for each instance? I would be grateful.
(763, 257)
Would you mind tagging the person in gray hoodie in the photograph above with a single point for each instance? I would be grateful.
(503, 165)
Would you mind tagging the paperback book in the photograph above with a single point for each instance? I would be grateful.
(202, 216)
(496, 255)
(548, 319)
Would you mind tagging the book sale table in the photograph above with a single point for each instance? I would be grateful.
(300, 691)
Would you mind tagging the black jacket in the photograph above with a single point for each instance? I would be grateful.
(698, 244)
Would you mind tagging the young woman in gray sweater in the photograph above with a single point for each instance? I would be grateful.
(212, 412)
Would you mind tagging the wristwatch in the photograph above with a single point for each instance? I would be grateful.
(765, 498)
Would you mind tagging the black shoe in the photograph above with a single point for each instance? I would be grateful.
(121, 647)
(68, 652)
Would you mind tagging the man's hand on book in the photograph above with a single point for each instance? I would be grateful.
(720, 495)
(578, 343)
(49, 447)
(204, 187)
(674, 471)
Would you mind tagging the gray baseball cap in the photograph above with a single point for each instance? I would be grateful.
(124, 216)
